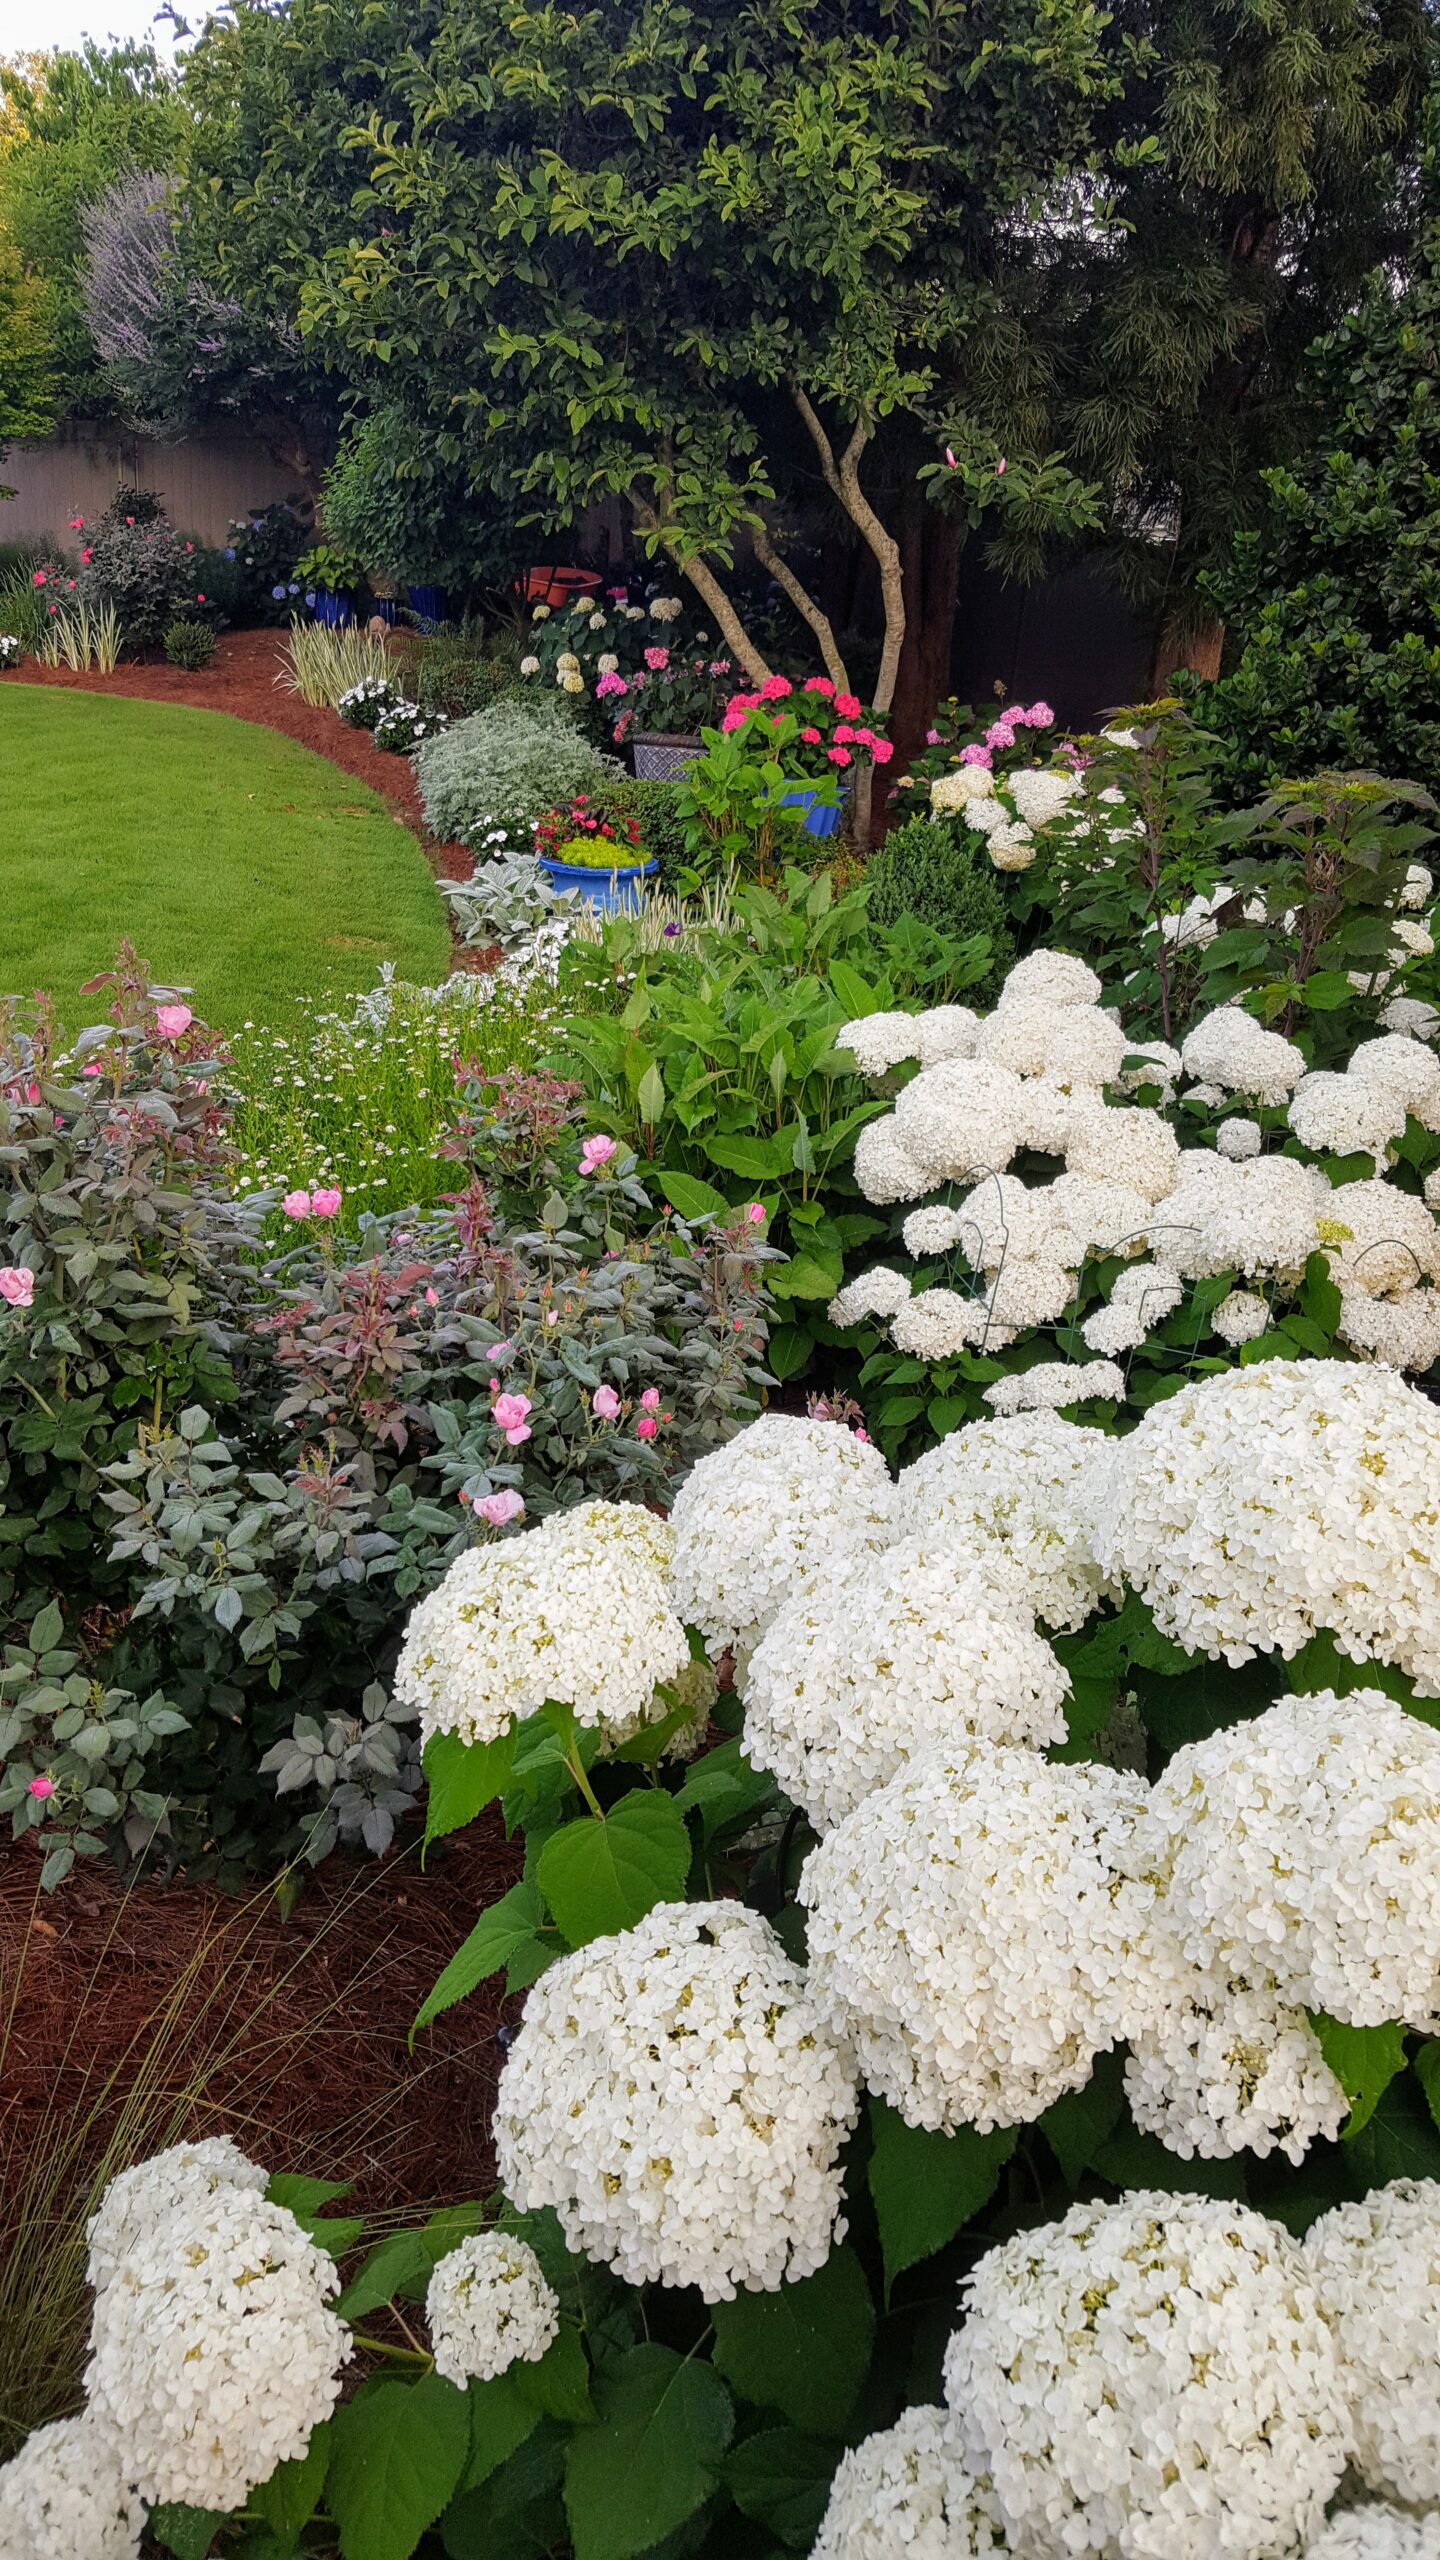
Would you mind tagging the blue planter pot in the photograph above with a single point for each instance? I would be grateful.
(428, 605)
(335, 610)
(610, 891)
(818, 821)
(384, 609)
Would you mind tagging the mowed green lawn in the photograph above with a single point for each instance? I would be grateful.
(238, 863)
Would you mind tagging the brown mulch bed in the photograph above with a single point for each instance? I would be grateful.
(240, 679)
(296, 2033)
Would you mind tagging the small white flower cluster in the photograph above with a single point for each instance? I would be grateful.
(1154, 2377)
(488, 2306)
(69, 2494)
(1227, 2067)
(1376, 2268)
(1023, 1494)
(754, 1522)
(675, 2095)
(577, 1610)
(1376, 2533)
(978, 1932)
(907, 2492)
(1008, 808)
(1054, 1383)
(140, 2202)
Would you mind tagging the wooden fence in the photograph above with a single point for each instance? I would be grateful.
(203, 484)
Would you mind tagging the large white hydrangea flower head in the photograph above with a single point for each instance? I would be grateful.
(1226, 2066)
(1307, 1842)
(1346, 1115)
(1024, 1494)
(1229, 1048)
(1052, 978)
(488, 2306)
(213, 2353)
(1376, 2533)
(959, 1118)
(1260, 1506)
(1376, 2267)
(757, 1521)
(67, 2495)
(139, 2201)
(977, 1929)
(576, 1610)
(674, 2093)
(907, 2492)
(917, 1646)
(1150, 2377)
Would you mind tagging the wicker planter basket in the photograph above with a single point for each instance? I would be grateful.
(659, 758)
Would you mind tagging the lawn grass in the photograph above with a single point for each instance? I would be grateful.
(241, 865)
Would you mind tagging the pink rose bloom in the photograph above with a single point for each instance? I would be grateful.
(296, 1204)
(606, 1403)
(87, 557)
(500, 1508)
(820, 684)
(650, 1400)
(594, 1153)
(17, 1285)
(849, 705)
(509, 1413)
(325, 1204)
(976, 755)
(42, 1788)
(775, 688)
(172, 1020)
(755, 1215)
(657, 660)
(39, 578)
(609, 683)
(839, 755)
(646, 1427)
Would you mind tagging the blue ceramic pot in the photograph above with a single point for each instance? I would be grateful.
(336, 610)
(818, 821)
(610, 891)
(428, 605)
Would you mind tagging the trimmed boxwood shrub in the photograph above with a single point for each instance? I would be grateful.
(937, 870)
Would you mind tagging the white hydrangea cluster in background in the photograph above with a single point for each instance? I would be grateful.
(675, 2095)
(977, 1931)
(1226, 2066)
(907, 2492)
(754, 1522)
(69, 2495)
(1034, 1076)
(576, 1610)
(1376, 2268)
(1376, 2533)
(1025, 1495)
(1151, 2377)
(488, 2306)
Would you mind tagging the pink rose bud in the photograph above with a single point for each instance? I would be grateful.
(499, 1508)
(17, 1285)
(432, 1297)
(606, 1403)
(171, 1020)
(650, 1400)
(755, 1215)
(325, 1204)
(510, 1413)
(296, 1204)
(646, 1427)
(950, 457)
(861, 1435)
(1000, 468)
(42, 1788)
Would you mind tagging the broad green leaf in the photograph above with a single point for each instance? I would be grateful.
(188, 2532)
(693, 1198)
(508, 1924)
(1427, 2072)
(516, 2512)
(855, 993)
(782, 2479)
(396, 2455)
(602, 1876)
(462, 1778)
(1364, 2061)
(1327, 989)
(804, 2350)
(653, 2457)
(1078, 2124)
(650, 1098)
(1399, 2141)
(1134, 2159)
(758, 1159)
(398, 2261)
(806, 1277)
(289, 2498)
(926, 2186)
(723, 1786)
(500, 2419)
(558, 2383)
(788, 1349)
(304, 2196)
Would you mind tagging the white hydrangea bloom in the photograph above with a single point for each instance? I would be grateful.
(1419, 886)
(1142, 1297)
(1306, 1843)
(213, 2355)
(876, 1292)
(1150, 2380)
(878, 1041)
(1239, 1139)
(1227, 2067)
(1257, 1507)
(907, 2492)
(1346, 1115)
(1379, 1239)
(884, 1167)
(1015, 1037)
(1025, 1494)
(1153, 1062)
(138, 2202)
(574, 1611)
(1055, 1383)
(1229, 1048)
(1002, 1216)
(1253, 1217)
(1045, 1110)
(952, 791)
(1040, 792)
(1376, 2533)
(1240, 1317)
(1376, 2268)
(933, 1230)
(66, 2495)
(1027, 1290)
(946, 1031)
(756, 1521)
(1050, 977)
(1403, 1333)
(1404, 1067)
(488, 2306)
(1104, 1216)
(1411, 1015)
(958, 1118)
(921, 1646)
(1412, 942)
(675, 2095)
(1131, 1146)
(976, 1931)
(939, 1322)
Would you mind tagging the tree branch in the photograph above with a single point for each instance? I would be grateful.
(707, 586)
(842, 478)
(805, 604)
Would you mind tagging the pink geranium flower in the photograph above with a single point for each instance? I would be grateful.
(594, 1153)
(325, 1204)
(296, 1204)
(606, 1403)
(509, 1413)
(173, 1020)
(500, 1508)
(17, 1285)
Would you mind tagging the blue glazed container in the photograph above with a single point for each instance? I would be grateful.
(609, 891)
(818, 821)
(336, 610)
(428, 605)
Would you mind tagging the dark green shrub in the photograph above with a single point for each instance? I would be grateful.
(150, 574)
(457, 671)
(190, 645)
(937, 870)
(655, 810)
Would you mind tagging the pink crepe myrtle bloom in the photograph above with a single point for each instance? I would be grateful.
(978, 756)
(595, 1152)
(606, 1403)
(500, 1508)
(325, 1204)
(17, 1285)
(509, 1414)
(820, 685)
(755, 1215)
(657, 660)
(650, 1400)
(173, 1020)
(296, 1204)
(646, 1427)
(42, 1789)
(849, 705)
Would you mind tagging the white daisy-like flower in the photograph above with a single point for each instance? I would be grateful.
(488, 2306)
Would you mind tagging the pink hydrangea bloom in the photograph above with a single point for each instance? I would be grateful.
(822, 685)
(1000, 735)
(499, 1508)
(594, 1153)
(849, 705)
(844, 733)
(657, 660)
(881, 750)
(811, 737)
(775, 688)
(296, 1204)
(325, 1204)
(609, 683)
(932, 737)
(1040, 715)
(839, 755)
(606, 1403)
(977, 755)
(17, 1285)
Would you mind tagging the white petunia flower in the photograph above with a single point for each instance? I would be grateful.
(488, 2306)
(1376, 2268)
(67, 2495)
(907, 2492)
(757, 1521)
(675, 2095)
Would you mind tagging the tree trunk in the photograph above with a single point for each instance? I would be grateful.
(1196, 646)
(930, 561)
